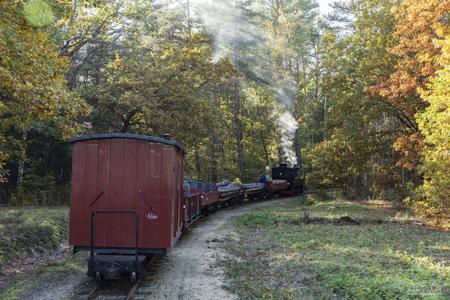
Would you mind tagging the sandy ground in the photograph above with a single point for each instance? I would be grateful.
(188, 272)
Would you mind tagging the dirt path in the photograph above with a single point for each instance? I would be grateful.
(188, 272)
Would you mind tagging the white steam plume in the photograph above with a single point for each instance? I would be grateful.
(232, 31)
(288, 126)
(286, 121)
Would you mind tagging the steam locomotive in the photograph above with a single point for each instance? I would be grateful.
(130, 199)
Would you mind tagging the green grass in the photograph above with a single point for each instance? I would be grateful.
(30, 231)
(277, 256)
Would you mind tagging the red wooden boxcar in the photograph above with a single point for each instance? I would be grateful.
(126, 188)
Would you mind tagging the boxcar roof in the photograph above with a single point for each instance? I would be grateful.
(127, 136)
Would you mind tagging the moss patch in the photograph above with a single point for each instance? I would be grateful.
(387, 256)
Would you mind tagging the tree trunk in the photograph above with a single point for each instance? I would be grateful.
(357, 185)
(22, 159)
(198, 167)
(189, 21)
(325, 118)
(316, 137)
(238, 127)
(213, 158)
(297, 142)
(263, 141)
(213, 137)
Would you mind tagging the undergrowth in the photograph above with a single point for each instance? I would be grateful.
(279, 255)
(25, 232)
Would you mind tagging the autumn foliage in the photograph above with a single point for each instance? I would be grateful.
(367, 88)
(419, 26)
(424, 41)
(434, 123)
(418, 89)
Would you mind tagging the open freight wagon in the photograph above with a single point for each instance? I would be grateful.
(126, 200)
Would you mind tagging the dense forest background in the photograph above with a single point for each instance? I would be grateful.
(359, 98)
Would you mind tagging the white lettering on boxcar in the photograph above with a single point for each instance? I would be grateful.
(151, 216)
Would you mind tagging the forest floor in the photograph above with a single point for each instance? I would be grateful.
(336, 249)
(293, 248)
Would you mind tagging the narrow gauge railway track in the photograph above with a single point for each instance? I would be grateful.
(122, 289)
(94, 293)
